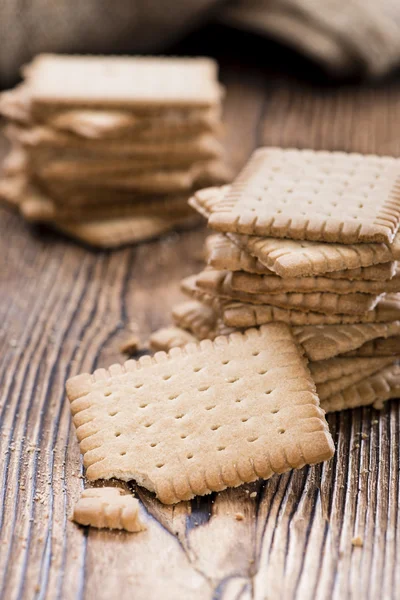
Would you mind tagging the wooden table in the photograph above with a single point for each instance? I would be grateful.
(65, 309)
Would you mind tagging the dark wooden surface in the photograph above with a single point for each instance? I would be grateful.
(65, 309)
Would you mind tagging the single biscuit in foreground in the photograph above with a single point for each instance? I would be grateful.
(374, 390)
(170, 337)
(202, 418)
(321, 342)
(108, 507)
(317, 196)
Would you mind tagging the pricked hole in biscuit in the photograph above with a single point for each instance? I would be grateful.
(203, 388)
(215, 427)
(166, 377)
(197, 369)
(159, 465)
(280, 430)
(252, 439)
(256, 353)
(138, 385)
(268, 392)
(179, 416)
(143, 405)
(263, 372)
(244, 419)
(117, 433)
(279, 212)
(232, 379)
(148, 424)
(210, 407)
(238, 400)
(153, 444)
(189, 456)
(274, 411)
(361, 205)
(107, 393)
(225, 362)
(122, 453)
(173, 396)
(112, 413)
(220, 448)
(184, 436)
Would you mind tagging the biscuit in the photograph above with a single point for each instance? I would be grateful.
(37, 206)
(113, 233)
(201, 147)
(261, 284)
(220, 283)
(310, 195)
(240, 314)
(292, 258)
(108, 507)
(353, 375)
(169, 181)
(135, 81)
(200, 319)
(378, 347)
(323, 371)
(327, 341)
(222, 253)
(112, 124)
(170, 337)
(375, 390)
(202, 418)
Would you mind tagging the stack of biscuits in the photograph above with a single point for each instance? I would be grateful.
(310, 239)
(109, 149)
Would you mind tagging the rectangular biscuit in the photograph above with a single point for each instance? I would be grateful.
(321, 342)
(201, 147)
(310, 195)
(116, 124)
(115, 81)
(222, 253)
(219, 283)
(197, 317)
(374, 390)
(202, 418)
(240, 314)
(333, 386)
(270, 284)
(292, 258)
(323, 371)
(35, 205)
(378, 347)
(113, 233)
(156, 181)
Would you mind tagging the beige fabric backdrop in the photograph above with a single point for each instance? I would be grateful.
(361, 36)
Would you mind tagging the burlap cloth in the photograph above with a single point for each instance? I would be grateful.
(345, 36)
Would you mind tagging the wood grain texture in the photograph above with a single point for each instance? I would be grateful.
(65, 309)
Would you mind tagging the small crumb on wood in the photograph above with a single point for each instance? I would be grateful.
(253, 494)
(357, 541)
(239, 516)
(131, 345)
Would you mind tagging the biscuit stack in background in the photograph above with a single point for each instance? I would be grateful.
(108, 149)
(310, 239)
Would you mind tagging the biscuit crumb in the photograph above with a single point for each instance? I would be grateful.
(357, 541)
(239, 516)
(131, 345)
(253, 494)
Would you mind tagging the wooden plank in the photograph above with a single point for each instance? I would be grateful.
(65, 309)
